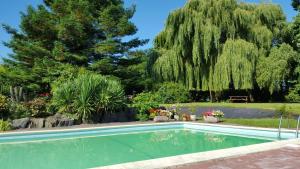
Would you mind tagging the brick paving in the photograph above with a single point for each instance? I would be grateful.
(284, 158)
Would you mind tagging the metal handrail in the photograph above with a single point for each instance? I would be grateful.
(279, 127)
(297, 130)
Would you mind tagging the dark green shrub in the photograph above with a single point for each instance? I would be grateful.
(4, 106)
(294, 94)
(5, 125)
(4, 88)
(173, 93)
(19, 110)
(143, 102)
(89, 95)
(142, 117)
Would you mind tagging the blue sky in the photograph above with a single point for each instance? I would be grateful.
(149, 18)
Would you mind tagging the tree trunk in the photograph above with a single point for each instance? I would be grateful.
(211, 96)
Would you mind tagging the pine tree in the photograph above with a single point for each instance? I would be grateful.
(82, 33)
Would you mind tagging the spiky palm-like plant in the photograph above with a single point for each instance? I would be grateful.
(89, 95)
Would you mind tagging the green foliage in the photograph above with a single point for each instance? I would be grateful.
(5, 125)
(145, 101)
(89, 95)
(4, 86)
(295, 26)
(64, 73)
(275, 69)
(81, 34)
(212, 45)
(296, 4)
(19, 110)
(38, 107)
(17, 94)
(4, 106)
(130, 70)
(236, 65)
(4, 89)
(142, 117)
(172, 93)
(294, 94)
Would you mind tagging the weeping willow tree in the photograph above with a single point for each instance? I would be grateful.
(274, 70)
(210, 45)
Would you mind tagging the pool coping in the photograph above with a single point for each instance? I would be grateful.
(179, 160)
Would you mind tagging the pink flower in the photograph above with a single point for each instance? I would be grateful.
(207, 114)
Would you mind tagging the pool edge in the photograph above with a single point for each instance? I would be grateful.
(180, 159)
(135, 125)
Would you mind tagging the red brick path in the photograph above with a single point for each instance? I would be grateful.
(285, 158)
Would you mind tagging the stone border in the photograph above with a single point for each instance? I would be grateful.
(49, 131)
(203, 156)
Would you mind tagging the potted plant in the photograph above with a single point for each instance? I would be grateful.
(176, 117)
(186, 117)
(162, 115)
(193, 114)
(175, 110)
(213, 117)
(152, 113)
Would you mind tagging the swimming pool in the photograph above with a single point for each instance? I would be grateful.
(89, 148)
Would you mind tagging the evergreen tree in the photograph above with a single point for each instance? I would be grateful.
(82, 33)
(295, 26)
(296, 4)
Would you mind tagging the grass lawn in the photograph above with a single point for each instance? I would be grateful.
(292, 107)
(265, 122)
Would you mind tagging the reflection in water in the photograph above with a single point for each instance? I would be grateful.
(100, 151)
(214, 138)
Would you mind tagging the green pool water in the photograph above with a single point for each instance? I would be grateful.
(88, 152)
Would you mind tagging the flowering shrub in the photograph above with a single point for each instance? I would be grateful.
(218, 113)
(142, 117)
(37, 106)
(207, 114)
(214, 113)
(45, 95)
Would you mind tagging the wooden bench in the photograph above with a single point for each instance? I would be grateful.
(238, 98)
